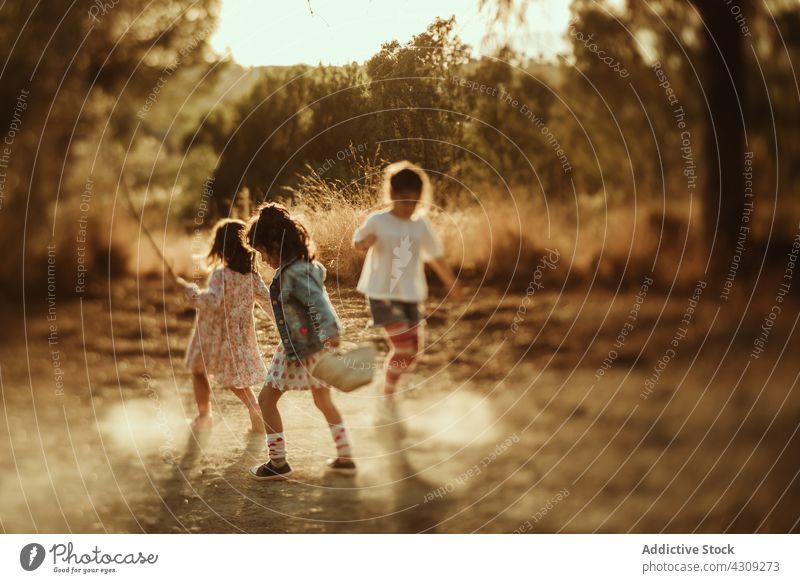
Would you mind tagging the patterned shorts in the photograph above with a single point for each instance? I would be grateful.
(293, 375)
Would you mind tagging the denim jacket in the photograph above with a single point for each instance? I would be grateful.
(303, 311)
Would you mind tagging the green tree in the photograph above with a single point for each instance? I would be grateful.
(293, 118)
(84, 69)
(411, 96)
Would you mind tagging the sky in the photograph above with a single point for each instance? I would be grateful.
(285, 32)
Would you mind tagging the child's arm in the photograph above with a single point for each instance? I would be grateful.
(211, 297)
(433, 254)
(445, 274)
(261, 293)
(365, 243)
(365, 236)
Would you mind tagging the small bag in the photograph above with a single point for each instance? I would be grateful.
(347, 370)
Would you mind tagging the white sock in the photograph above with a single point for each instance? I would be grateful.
(341, 440)
(276, 445)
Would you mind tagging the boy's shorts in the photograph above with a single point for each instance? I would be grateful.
(391, 311)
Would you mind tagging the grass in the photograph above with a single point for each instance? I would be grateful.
(500, 240)
(490, 239)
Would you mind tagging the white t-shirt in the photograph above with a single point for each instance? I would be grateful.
(394, 268)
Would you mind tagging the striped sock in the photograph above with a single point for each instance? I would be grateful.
(276, 445)
(341, 440)
(404, 342)
(390, 382)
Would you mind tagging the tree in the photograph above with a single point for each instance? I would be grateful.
(722, 72)
(411, 94)
(723, 54)
(64, 73)
(293, 118)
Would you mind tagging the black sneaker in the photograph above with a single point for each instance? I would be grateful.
(270, 471)
(341, 466)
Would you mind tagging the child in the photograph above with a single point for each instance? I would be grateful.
(223, 346)
(399, 241)
(307, 324)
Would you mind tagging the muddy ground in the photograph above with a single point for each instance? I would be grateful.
(506, 425)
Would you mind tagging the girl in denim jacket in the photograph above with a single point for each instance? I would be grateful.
(307, 324)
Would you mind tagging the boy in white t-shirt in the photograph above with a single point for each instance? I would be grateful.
(399, 242)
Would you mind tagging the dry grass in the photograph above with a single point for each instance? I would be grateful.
(332, 210)
(496, 242)
(501, 241)
(492, 239)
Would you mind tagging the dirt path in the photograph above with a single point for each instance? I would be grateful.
(502, 428)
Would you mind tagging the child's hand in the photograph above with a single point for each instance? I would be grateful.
(191, 292)
(446, 276)
(366, 242)
(181, 282)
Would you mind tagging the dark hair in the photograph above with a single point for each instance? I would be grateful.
(228, 248)
(274, 230)
(403, 176)
(406, 180)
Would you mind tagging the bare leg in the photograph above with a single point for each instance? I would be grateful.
(202, 396)
(268, 401)
(247, 397)
(323, 401)
(202, 393)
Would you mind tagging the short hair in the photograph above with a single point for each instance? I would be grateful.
(406, 181)
(405, 176)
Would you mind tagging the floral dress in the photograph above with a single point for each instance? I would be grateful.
(223, 343)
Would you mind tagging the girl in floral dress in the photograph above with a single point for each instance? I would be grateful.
(223, 347)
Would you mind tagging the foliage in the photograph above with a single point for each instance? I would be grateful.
(73, 80)
(502, 125)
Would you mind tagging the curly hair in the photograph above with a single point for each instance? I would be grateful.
(227, 247)
(274, 230)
